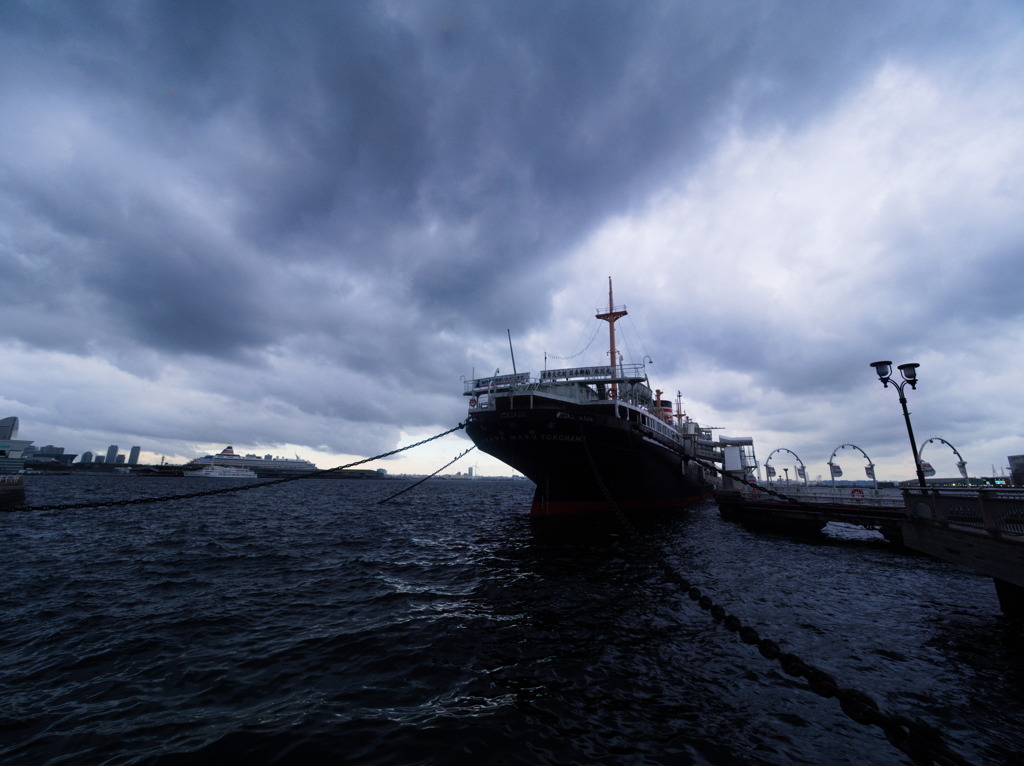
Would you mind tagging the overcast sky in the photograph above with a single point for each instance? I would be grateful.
(295, 227)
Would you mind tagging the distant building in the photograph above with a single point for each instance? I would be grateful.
(133, 456)
(9, 428)
(12, 448)
(87, 457)
(49, 455)
(111, 454)
(1017, 469)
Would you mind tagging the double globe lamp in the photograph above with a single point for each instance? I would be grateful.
(909, 373)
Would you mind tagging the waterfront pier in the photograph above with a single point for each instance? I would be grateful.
(807, 509)
(979, 528)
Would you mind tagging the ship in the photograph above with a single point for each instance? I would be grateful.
(597, 438)
(264, 467)
(222, 472)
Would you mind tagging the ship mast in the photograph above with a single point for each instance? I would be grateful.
(610, 316)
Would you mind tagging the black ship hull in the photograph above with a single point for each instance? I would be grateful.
(587, 459)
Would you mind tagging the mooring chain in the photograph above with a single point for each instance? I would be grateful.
(921, 742)
(425, 478)
(236, 488)
(752, 484)
(918, 740)
(604, 489)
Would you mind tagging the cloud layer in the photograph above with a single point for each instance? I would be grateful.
(296, 226)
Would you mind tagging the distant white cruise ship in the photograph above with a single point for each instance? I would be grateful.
(263, 466)
(223, 472)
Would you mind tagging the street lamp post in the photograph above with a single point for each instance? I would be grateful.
(909, 373)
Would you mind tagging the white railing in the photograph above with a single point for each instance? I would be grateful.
(485, 400)
(622, 374)
(598, 374)
(496, 383)
(868, 496)
(575, 391)
(662, 428)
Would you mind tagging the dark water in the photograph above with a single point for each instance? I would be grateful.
(306, 623)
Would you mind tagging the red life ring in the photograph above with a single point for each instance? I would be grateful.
(472, 402)
(856, 493)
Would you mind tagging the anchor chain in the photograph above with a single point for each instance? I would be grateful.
(921, 742)
(239, 488)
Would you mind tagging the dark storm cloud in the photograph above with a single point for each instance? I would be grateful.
(382, 188)
(517, 125)
(343, 133)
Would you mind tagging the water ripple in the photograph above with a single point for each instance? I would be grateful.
(307, 623)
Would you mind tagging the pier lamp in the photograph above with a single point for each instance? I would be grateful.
(909, 373)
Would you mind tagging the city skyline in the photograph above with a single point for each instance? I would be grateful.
(774, 466)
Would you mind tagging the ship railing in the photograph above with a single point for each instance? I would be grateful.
(663, 428)
(620, 374)
(495, 383)
(709, 453)
(579, 391)
(657, 425)
(486, 399)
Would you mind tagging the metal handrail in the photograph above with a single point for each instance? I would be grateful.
(997, 511)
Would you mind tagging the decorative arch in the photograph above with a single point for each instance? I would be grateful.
(961, 464)
(833, 467)
(796, 457)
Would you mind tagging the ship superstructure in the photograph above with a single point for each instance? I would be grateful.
(594, 437)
